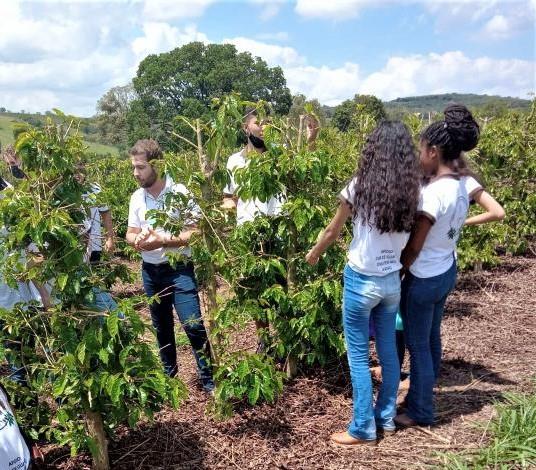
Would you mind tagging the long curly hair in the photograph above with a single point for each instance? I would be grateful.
(387, 179)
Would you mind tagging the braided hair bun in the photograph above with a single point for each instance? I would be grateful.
(458, 132)
(461, 127)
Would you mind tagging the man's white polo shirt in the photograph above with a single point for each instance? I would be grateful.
(247, 210)
(141, 202)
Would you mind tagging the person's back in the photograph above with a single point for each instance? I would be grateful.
(382, 202)
(446, 200)
(430, 255)
(14, 452)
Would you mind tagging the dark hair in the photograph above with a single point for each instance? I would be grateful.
(248, 112)
(387, 179)
(148, 148)
(457, 133)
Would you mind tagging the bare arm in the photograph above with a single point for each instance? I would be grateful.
(330, 234)
(229, 202)
(493, 210)
(45, 296)
(132, 234)
(416, 241)
(109, 227)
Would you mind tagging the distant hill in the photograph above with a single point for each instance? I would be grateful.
(431, 103)
(437, 103)
(8, 121)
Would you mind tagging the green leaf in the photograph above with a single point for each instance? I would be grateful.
(62, 280)
(104, 355)
(112, 323)
(81, 352)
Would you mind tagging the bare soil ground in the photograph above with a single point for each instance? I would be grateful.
(489, 342)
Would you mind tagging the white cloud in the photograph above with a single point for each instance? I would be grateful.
(498, 27)
(415, 75)
(269, 8)
(492, 19)
(68, 55)
(272, 54)
(279, 36)
(167, 10)
(162, 37)
(449, 72)
(329, 85)
(25, 38)
(334, 9)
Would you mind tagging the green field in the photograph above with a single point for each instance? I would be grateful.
(8, 122)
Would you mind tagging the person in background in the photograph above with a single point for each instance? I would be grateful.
(381, 200)
(429, 259)
(14, 448)
(13, 161)
(247, 210)
(175, 284)
(98, 216)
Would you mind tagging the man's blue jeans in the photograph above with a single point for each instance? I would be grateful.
(379, 297)
(422, 305)
(177, 287)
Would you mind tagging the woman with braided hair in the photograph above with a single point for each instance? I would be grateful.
(429, 259)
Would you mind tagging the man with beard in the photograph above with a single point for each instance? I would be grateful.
(174, 283)
(247, 210)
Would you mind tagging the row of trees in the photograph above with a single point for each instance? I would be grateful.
(90, 370)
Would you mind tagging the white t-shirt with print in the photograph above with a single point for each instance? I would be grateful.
(141, 201)
(14, 453)
(373, 253)
(247, 210)
(446, 202)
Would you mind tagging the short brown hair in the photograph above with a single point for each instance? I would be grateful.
(147, 147)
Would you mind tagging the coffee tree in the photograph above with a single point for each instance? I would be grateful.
(95, 364)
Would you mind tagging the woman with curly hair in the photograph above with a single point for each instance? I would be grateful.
(381, 199)
(430, 256)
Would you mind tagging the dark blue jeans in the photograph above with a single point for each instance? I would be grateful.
(177, 287)
(422, 304)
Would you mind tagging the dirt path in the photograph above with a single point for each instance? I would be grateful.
(489, 341)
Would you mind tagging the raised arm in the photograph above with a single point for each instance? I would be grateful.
(330, 233)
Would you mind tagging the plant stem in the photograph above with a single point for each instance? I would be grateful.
(95, 428)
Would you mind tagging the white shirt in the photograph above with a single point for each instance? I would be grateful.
(446, 202)
(14, 453)
(10, 296)
(93, 223)
(247, 210)
(373, 253)
(141, 201)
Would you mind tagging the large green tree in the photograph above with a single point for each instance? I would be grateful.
(185, 80)
(112, 111)
(345, 113)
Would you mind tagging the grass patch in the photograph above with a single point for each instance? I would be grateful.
(7, 124)
(511, 434)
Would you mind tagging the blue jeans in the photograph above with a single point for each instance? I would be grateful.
(177, 287)
(422, 305)
(104, 301)
(379, 297)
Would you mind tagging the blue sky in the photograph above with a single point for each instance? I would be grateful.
(67, 54)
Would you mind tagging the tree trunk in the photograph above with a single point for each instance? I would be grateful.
(95, 428)
(300, 132)
(291, 364)
(207, 192)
